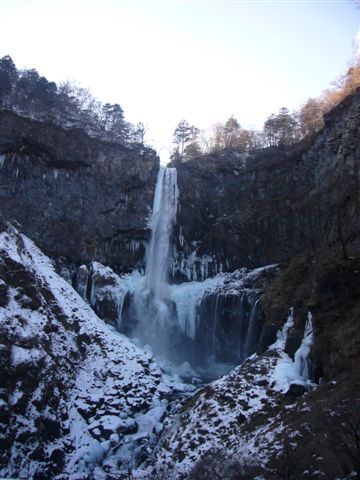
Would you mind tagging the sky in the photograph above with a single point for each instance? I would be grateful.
(199, 60)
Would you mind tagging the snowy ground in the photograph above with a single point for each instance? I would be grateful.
(80, 401)
(76, 396)
(233, 417)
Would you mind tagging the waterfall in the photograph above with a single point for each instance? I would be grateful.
(151, 315)
(206, 323)
(252, 332)
(162, 220)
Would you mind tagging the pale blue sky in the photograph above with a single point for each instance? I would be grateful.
(199, 60)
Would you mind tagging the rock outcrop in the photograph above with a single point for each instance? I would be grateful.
(75, 196)
(265, 207)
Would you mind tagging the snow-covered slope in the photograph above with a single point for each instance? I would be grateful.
(77, 399)
(232, 421)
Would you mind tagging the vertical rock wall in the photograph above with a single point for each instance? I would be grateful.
(254, 209)
(76, 197)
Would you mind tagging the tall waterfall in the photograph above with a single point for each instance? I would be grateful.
(205, 323)
(151, 314)
(162, 220)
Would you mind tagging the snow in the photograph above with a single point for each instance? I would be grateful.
(20, 355)
(111, 385)
(226, 405)
(285, 373)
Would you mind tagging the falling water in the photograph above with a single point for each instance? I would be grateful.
(162, 220)
(151, 312)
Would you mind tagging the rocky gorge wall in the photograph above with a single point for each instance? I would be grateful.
(75, 196)
(86, 200)
(254, 209)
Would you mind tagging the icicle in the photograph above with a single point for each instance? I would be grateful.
(188, 298)
(283, 333)
(93, 296)
(119, 308)
(301, 355)
(181, 238)
(215, 315)
(134, 245)
(252, 333)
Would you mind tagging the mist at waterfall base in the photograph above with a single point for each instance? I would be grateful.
(196, 329)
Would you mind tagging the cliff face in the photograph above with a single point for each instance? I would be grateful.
(85, 200)
(249, 210)
(75, 196)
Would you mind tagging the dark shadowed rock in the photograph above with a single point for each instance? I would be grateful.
(3, 294)
(267, 337)
(247, 210)
(75, 196)
(292, 343)
(295, 390)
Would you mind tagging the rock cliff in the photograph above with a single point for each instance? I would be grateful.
(86, 200)
(77, 197)
(254, 209)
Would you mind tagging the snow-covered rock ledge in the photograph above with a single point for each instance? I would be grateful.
(77, 399)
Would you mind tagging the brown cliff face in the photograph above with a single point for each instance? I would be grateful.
(265, 207)
(76, 197)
